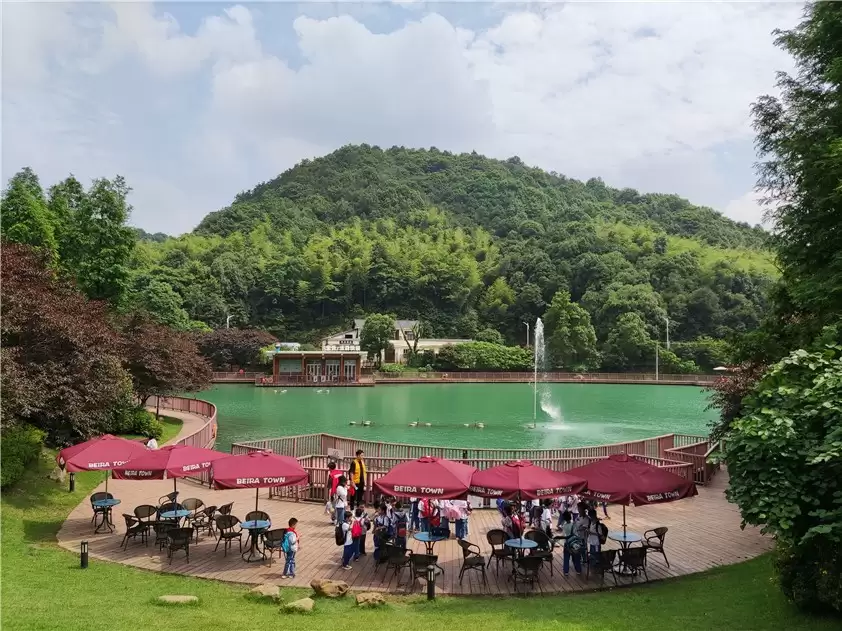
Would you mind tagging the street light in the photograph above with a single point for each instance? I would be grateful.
(667, 320)
(228, 321)
(527, 332)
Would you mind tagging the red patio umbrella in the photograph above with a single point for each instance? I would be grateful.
(624, 479)
(257, 470)
(172, 461)
(522, 479)
(427, 477)
(99, 454)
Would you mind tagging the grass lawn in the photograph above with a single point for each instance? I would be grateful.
(172, 426)
(43, 588)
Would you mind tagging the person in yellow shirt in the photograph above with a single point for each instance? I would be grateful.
(357, 475)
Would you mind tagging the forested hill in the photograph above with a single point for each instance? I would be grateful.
(463, 242)
(502, 197)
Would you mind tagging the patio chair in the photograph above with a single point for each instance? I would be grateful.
(134, 529)
(604, 563)
(193, 504)
(654, 540)
(226, 509)
(169, 498)
(544, 550)
(146, 513)
(203, 520)
(497, 537)
(634, 560)
(273, 541)
(527, 570)
(418, 564)
(471, 560)
(396, 558)
(105, 511)
(179, 539)
(228, 528)
(165, 508)
(257, 515)
(162, 529)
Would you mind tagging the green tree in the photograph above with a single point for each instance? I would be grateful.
(377, 335)
(799, 135)
(571, 340)
(162, 303)
(784, 456)
(26, 218)
(629, 345)
(491, 336)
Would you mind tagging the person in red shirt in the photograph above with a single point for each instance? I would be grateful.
(333, 475)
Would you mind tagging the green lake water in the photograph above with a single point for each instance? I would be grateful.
(569, 415)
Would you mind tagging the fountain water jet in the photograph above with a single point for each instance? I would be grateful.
(547, 406)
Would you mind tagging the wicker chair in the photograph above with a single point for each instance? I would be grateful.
(203, 520)
(273, 541)
(527, 570)
(604, 563)
(134, 529)
(544, 550)
(226, 509)
(257, 515)
(471, 560)
(228, 528)
(418, 564)
(634, 560)
(166, 508)
(146, 513)
(105, 511)
(179, 539)
(162, 529)
(396, 558)
(497, 537)
(169, 498)
(654, 540)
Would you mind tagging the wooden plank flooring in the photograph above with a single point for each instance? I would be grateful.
(704, 532)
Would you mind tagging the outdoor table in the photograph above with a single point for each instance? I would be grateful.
(429, 540)
(519, 545)
(625, 539)
(175, 515)
(106, 522)
(255, 526)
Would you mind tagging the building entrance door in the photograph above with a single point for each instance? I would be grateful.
(332, 369)
(350, 371)
(314, 370)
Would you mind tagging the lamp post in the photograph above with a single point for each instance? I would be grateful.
(228, 321)
(527, 333)
(667, 320)
(84, 554)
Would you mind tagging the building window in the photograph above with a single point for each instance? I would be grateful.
(349, 336)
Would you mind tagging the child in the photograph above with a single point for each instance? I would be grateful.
(366, 528)
(399, 522)
(382, 526)
(572, 544)
(290, 547)
(358, 530)
(348, 549)
(415, 523)
(340, 500)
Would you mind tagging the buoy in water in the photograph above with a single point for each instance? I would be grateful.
(352, 423)
(414, 424)
(428, 424)
(480, 425)
(366, 423)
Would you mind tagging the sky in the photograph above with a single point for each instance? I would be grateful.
(193, 102)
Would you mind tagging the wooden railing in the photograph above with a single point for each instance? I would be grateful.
(680, 453)
(205, 436)
(237, 377)
(557, 377)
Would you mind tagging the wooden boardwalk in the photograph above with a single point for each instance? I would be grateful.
(704, 532)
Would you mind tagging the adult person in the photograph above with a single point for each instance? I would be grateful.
(357, 474)
(151, 443)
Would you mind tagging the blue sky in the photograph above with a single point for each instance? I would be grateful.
(194, 102)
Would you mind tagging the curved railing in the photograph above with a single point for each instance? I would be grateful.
(205, 436)
(546, 377)
(682, 454)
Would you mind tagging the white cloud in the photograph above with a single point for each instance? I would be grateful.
(751, 208)
(642, 94)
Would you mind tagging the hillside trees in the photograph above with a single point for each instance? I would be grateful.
(570, 337)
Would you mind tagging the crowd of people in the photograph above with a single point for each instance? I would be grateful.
(569, 519)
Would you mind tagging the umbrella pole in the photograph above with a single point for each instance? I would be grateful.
(624, 520)
(175, 485)
(107, 475)
(256, 492)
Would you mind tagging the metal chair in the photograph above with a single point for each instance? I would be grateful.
(134, 529)
(203, 520)
(419, 563)
(497, 537)
(527, 570)
(179, 539)
(604, 563)
(654, 540)
(105, 511)
(471, 560)
(544, 550)
(634, 560)
(169, 498)
(162, 529)
(226, 509)
(257, 515)
(397, 559)
(273, 541)
(227, 530)
(146, 513)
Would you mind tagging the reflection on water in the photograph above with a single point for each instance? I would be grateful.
(471, 415)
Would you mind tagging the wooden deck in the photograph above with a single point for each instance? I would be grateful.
(704, 532)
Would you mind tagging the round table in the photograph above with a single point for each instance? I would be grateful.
(255, 527)
(430, 540)
(625, 539)
(175, 515)
(106, 522)
(519, 544)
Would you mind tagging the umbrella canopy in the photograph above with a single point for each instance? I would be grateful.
(427, 477)
(523, 479)
(172, 461)
(624, 479)
(256, 470)
(100, 454)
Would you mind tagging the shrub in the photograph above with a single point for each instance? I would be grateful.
(136, 421)
(21, 445)
(810, 574)
(392, 368)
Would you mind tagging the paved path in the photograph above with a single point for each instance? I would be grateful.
(704, 532)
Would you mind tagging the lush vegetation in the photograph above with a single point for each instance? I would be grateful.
(781, 414)
(33, 566)
(468, 245)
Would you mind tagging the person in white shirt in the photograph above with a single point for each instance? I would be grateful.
(461, 508)
(341, 500)
(152, 443)
(348, 550)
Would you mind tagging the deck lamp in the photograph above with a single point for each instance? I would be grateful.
(84, 554)
(431, 582)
